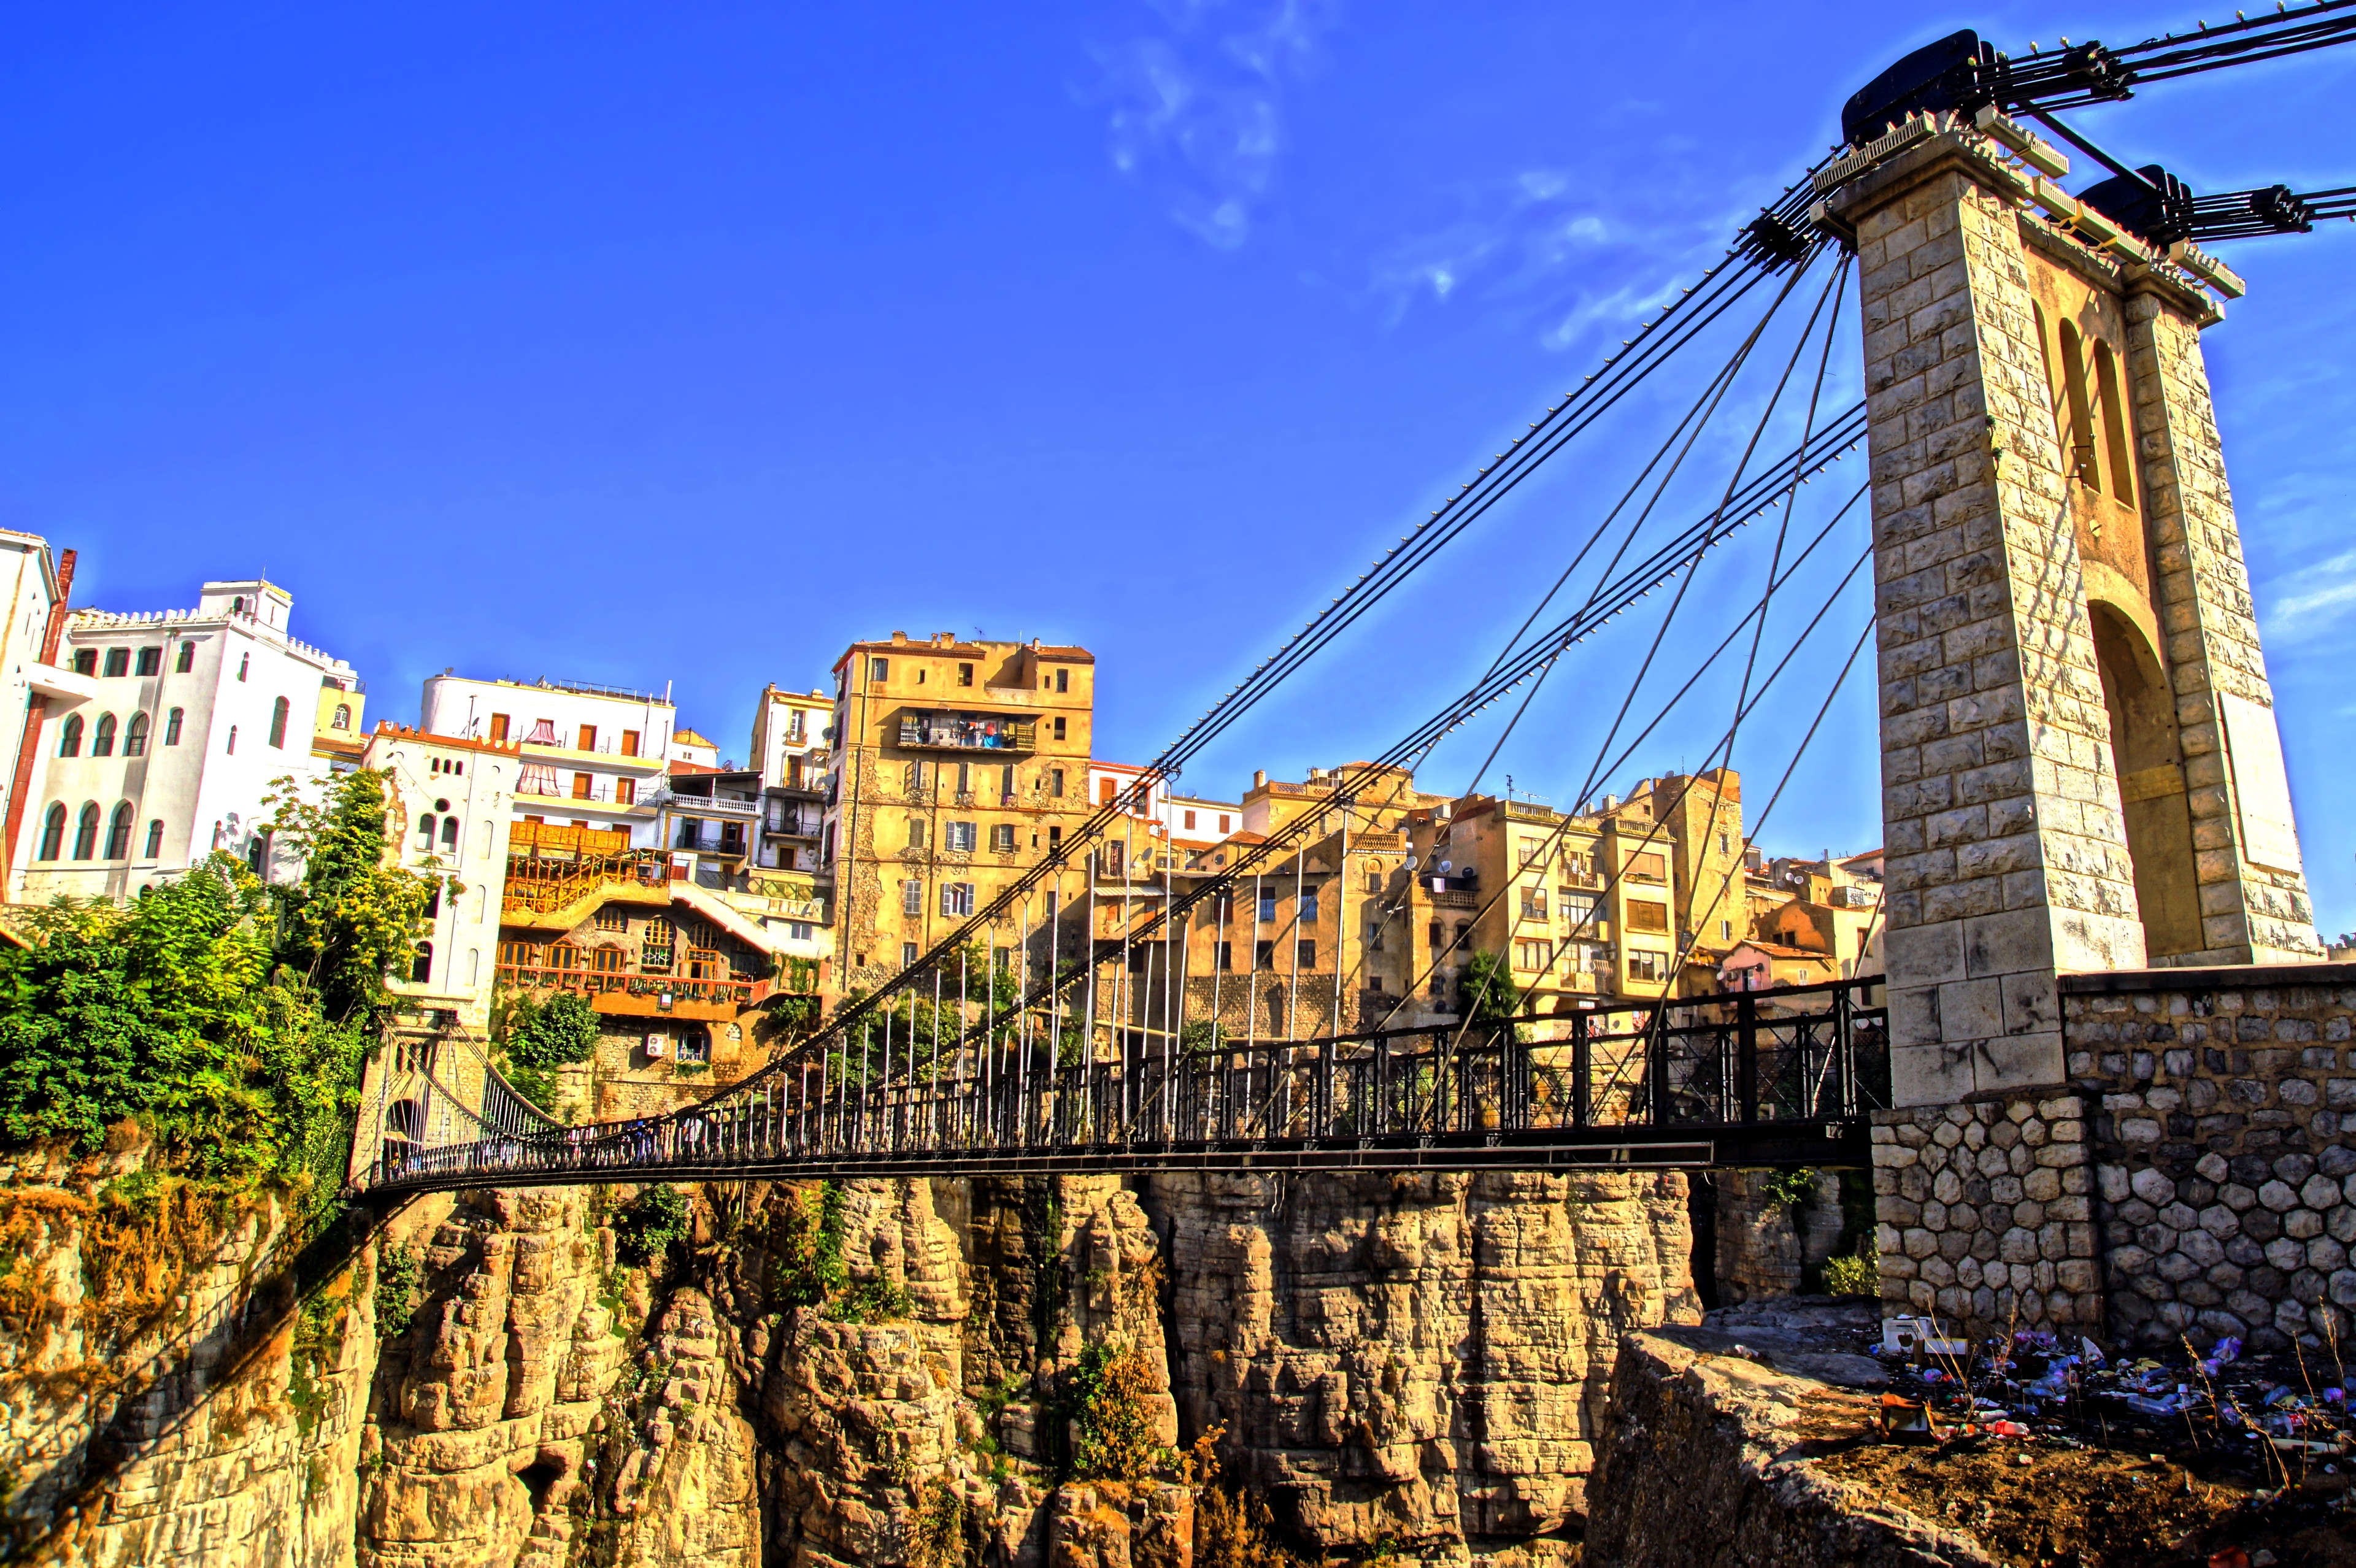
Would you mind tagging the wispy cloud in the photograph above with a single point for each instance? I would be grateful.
(1196, 107)
(2322, 603)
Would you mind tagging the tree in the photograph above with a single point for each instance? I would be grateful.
(535, 1038)
(351, 919)
(1491, 997)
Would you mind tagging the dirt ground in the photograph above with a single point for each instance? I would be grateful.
(2092, 1508)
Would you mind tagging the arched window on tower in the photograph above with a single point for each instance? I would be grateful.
(421, 964)
(154, 840)
(426, 831)
(278, 712)
(86, 833)
(187, 659)
(2078, 432)
(53, 833)
(2117, 439)
(343, 720)
(101, 744)
(70, 736)
(118, 833)
(450, 836)
(135, 736)
(172, 727)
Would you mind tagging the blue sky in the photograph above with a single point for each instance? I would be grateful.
(602, 342)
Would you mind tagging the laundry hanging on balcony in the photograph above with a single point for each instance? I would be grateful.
(539, 778)
(543, 734)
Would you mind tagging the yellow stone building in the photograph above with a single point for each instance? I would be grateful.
(958, 766)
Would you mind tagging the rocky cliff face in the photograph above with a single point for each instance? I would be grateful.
(1415, 1364)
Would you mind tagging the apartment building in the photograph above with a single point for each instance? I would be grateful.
(594, 756)
(790, 751)
(36, 584)
(161, 735)
(956, 766)
(449, 802)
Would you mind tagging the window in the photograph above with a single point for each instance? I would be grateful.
(1650, 867)
(1531, 848)
(498, 728)
(581, 785)
(1306, 955)
(1645, 915)
(150, 661)
(85, 661)
(278, 712)
(1106, 789)
(1006, 781)
(1435, 934)
(421, 964)
(1056, 781)
(343, 719)
(1226, 956)
(118, 661)
(2114, 421)
(1223, 821)
(1059, 727)
(695, 1047)
(426, 831)
(912, 778)
(232, 740)
(1577, 909)
(118, 833)
(915, 833)
(244, 662)
(1266, 912)
(1643, 965)
(474, 963)
(237, 605)
(1308, 906)
(965, 778)
(965, 675)
(1063, 683)
(101, 744)
(1265, 954)
(1725, 931)
(1002, 837)
(70, 736)
(187, 659)
(450, 836)
(588, 739)
(154, 840)
(1533, 905)
(172, 727)
(86, 833)
(625, 792)
(53, 833)
(1532, 957)
(908, 952)
(629, 742)
(957, 898)
(796, 722)
(878, 671)
(1725, 843)
(1190, 821)
(912, 897)
(1054, 839)
(1374, 883)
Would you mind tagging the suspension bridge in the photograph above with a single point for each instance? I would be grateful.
(1091, 1043)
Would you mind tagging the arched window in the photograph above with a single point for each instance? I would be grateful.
(237, 605)
(450, 836)
(135, 736)
(474, 963)
(426, 831)
(70, 736)
(86, 833)
(2078, 437)
(101, 744)
(343, 716)
(2115, 438)
(187, 659)
(172, 727)
(118, 833)
(278, 711)
(244, 662)
(53, 833)
(257, 855)
(421, 963)
(232, 740)
(154, 840)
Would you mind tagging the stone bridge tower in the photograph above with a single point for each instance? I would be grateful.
(2081, 768)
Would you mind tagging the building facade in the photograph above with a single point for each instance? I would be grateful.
(168, 741)
(958, 766)
(448, 810)
(594, 756)
(790, 751)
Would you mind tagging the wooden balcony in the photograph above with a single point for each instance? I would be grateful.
(617, 991)
(966, 732)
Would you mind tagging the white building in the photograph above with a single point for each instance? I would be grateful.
(1190, 819)
(450, 800)
(161, 747)
(594, 756)
(790, 750)
(33, 583)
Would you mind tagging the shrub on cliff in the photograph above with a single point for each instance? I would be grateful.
(647, 1226)
(534, 1038)
(1112, 1391)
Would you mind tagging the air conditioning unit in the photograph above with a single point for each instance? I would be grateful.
(656, 1046)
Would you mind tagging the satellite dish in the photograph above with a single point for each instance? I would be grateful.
(1445, 866)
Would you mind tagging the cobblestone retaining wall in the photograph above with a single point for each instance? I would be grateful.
(2223, 1124)
(1986, 1213)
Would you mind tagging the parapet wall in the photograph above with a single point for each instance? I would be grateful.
(2222, 1115)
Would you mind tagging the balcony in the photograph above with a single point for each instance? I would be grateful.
(705, 839)
(792, 824)
(742, 806)
(652, 989)
(936, 731)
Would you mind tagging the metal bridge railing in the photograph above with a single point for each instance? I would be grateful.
(1807, 1056)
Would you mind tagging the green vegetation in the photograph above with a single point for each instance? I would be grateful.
(1491, 997)
(648, 1226)
(1109, 1387)
(1789, 1189)
(398, 1277)
(533, 1039)
(227, 1019)
(873, 1301)
(806, 1264)
(1202, 1037)
(1858, 1276)
(318, 1346)
(938, 1538)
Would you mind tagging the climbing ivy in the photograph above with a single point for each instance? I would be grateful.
(534, 1038)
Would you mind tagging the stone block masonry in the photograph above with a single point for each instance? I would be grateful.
(1986, 1213)
(2222, 1118)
